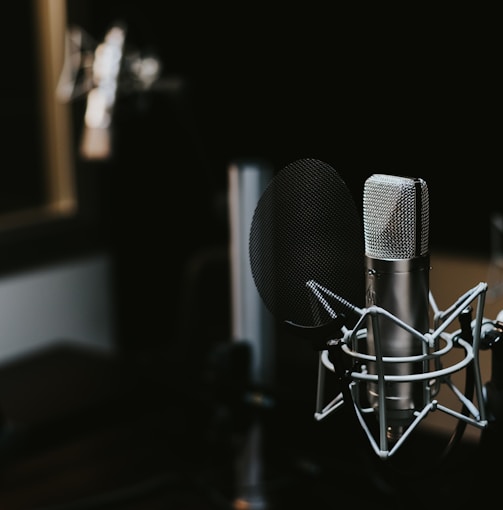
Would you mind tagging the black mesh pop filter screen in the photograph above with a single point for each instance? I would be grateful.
(306, 228)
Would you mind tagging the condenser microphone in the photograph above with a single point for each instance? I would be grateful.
(396, 230)
(313, 262)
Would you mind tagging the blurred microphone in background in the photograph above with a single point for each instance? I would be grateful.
(96, 138)
(99, 72)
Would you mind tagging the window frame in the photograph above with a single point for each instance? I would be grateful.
(56, 132)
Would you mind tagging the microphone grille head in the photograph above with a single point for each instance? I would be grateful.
(395, 217)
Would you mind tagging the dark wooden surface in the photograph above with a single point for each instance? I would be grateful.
(82, 431)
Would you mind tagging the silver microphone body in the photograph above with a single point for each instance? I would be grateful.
(396, 227)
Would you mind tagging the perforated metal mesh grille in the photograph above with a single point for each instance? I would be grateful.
(395, 217)
(306, 227)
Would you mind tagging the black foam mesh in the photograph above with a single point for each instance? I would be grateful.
(306, 227)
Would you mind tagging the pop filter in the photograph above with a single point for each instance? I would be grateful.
(306, 229)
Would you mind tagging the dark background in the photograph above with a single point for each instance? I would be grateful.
(364, 98)
(413, 94)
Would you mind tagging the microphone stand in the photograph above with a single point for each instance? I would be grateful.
(250, 490)
(492, 438)
(484, 480)
(253, 326)
(494, 388)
